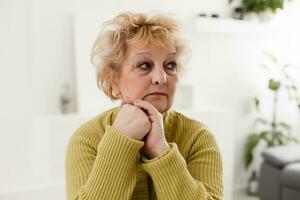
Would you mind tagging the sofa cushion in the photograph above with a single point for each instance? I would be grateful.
(269, 182)
(282, 155)
(289, 194)
(290, 176)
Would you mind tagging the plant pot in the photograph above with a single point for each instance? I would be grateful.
(64, 108)
(253, 185)
(251, 16)
(266, 15)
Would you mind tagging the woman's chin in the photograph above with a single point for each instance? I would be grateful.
(160, 106)
(159, 102)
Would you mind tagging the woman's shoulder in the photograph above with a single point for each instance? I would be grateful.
(191, 131)
(190, 128)
(186, 122)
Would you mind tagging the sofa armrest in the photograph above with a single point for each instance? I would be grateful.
(282, 155)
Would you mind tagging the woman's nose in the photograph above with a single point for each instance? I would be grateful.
(159, 76)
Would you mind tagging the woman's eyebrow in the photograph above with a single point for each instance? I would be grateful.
(149, 53)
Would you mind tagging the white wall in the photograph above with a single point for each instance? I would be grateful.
(37, 57)
(16, 93)
(52, 52)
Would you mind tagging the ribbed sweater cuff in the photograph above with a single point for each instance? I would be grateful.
(170, 175)
(120, 144)
(168, 158)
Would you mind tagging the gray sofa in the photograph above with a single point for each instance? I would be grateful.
(280, 173)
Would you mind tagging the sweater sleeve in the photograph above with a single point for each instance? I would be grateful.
(199, 177)
(106, 171)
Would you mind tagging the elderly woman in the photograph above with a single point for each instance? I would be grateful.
(142, 149)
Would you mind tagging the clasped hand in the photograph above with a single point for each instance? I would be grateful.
(142, 121)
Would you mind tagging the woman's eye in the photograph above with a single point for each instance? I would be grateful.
(172, 66)
(144, 66)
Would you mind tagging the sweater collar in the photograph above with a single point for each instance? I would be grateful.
(169, 117)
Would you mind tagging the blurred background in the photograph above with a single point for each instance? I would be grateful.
(243, 76)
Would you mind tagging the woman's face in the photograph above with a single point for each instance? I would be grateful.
(148, 73)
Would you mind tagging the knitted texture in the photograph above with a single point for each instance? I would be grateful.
(104, 164)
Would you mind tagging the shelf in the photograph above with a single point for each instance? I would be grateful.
(232, 26)
(62, 117)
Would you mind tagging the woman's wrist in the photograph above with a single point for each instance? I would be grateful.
(159, 150)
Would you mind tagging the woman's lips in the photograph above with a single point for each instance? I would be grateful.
(157, 93)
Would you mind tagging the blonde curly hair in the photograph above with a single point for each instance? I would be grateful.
(127, 28)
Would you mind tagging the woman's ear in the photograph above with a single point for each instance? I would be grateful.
(116, 87)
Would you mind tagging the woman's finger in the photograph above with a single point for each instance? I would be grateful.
(151, 110)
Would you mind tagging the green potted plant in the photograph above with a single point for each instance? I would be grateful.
(65, 98)
(265, 9)
(260, 10)
(274, 132)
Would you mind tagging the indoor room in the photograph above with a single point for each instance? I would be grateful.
(233, 94)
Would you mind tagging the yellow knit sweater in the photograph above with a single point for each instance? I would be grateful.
(104, 164)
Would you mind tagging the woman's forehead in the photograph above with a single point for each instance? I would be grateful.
(134, 50)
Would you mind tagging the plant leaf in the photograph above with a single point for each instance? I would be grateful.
(265, 136)
(271, 57)
(257, 104)
(294, 139)
(285, 125)
(252, 141)
(261, 120)
(274, 85)
(281, 138)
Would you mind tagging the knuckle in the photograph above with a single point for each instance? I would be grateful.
(135, 108)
